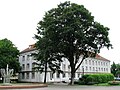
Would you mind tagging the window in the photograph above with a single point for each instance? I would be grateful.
(23, 58)
(85, 61)
(23, 75)
(86, 68)
(28, 66)
(93, 69)
(63, 75)
(23, 66)
(58, 74)
(27, 75)
(104, 69)
(33, 75)
(92, 62)
(78, 75)
(51, 75)
(28, 57)
(96, 69)
(96, 62)
(104, 63)
(90, 68)
(101, 69)
(89, 62)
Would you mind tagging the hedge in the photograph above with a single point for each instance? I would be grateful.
(97, 78)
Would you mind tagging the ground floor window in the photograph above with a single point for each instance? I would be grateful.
(51, 75)
(58, 74)
(27, 75)
(33, 75)
(23, 75)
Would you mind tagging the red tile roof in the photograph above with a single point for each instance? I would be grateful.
(30, 48)
(101, 58)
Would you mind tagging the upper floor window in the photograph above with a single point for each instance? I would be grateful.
(89, 62)
(28, 57)
(23, 66)
(96, 62)
(23, 58)
(92, 62)
(106, 64)
(85, 61)
(28, 66)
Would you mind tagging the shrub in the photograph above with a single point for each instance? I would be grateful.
(97, 78)
(90, 80)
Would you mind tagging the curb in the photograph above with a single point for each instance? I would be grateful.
(23, 86)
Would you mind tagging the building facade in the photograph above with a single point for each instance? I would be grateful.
(89, 66)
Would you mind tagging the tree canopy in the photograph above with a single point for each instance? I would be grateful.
(115, 69)
(9, 55)
(72, 32)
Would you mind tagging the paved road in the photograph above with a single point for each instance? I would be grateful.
(67, 87)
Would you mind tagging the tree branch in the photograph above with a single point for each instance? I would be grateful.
(80, 63)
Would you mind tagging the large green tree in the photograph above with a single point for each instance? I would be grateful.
(72, 32)
(9, 55)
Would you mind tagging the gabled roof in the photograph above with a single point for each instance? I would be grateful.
(30, 48)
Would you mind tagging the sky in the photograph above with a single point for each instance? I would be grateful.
(19, 18)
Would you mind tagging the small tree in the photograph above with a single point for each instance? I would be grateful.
(113, 68)
(72, 32)
(9, 55)
(46, 59)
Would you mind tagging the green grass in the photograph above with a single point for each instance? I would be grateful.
(104, 84)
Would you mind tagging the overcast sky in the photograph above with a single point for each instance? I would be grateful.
(19, 18)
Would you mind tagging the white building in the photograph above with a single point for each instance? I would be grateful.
(90, 65)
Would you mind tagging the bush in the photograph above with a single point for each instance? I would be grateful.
(114, 82)
(90, 80)
(97, 78)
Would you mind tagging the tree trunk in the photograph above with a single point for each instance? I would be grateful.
(45, 72)
(72, 73)
(72, 77)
